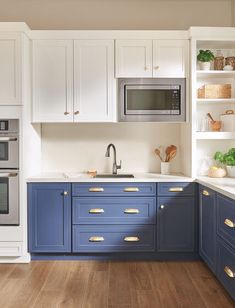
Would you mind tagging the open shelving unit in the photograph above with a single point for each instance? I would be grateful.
(206, 143)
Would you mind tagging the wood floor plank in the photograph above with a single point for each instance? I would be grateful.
(119, 285)
(207, 285)
(109, 284)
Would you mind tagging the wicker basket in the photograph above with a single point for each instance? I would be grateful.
(215, 91)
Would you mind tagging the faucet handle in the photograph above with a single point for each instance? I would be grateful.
(120, 165)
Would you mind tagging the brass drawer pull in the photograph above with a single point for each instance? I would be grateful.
(229, 272)
(176, 189)
(76, 112)
(205, 193)
(131, 189)
(131, 239)
(96, 189)
(96, 211)
(131, 211)
(229, 223)
(96, 239)
(66, 113)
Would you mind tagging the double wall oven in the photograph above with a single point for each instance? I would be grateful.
(9, 172)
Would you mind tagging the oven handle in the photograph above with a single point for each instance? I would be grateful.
(8, 138)
(8, 175)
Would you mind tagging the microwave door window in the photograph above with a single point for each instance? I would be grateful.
(149, 101)
(4, 198)
(3, 151)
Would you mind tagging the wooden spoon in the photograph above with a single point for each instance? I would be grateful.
(210, 116)
(158, 153)
(172, 155)
(169, 150)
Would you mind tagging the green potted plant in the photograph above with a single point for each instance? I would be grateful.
(227, 159)
(205, 57)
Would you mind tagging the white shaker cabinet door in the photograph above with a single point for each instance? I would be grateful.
(94, 83)
(10, 69)
(133, 58)
(52, 81)
(170, 58)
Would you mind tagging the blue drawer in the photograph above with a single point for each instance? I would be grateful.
(175, 189)
(226, 267)
(115, 210)
(116, 238)
(226, 219)
(107, 189)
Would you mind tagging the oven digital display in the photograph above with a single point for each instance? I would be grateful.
(3, 125)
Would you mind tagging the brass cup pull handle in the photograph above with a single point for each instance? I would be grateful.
(96, 239)
(96, 211)
(66, 113)
(229, 223)
(131, 239)
(205, 193)
(156, 67)
(146, 68)
(131, 189)
(176, 189)
(76, 112)
(229, 272)
(131, 211)
(96, 189)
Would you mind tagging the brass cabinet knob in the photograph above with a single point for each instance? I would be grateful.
(205, 192)
(66, 193)
(156, 67)
(146, 68)
(96, 239)
(229, 272)
(229, 223)
(162, 206)
(66, 113)
(76, 112)
(96, 211)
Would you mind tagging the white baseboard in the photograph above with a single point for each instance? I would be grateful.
(23, 259)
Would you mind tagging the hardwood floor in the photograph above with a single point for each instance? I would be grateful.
(101, 284)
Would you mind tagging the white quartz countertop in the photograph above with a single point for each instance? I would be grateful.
(82, 177)
(225, 186)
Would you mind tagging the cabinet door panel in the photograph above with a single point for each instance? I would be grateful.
(49, 218)
(176, 224)
(52, 81)
(134, 58)
(10, 59)
(94, 80)
(207, 226)
(170, 58)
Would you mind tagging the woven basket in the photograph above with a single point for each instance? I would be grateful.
(215, 91)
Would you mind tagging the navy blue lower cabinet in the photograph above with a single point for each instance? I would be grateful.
(176, 224)
(113, 238)
(207, 226)
(49, 217)
(226, 266)
(114, 210)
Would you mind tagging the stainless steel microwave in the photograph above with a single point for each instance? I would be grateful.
(152, 100)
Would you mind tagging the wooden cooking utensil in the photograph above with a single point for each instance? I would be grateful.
(169, 150)
(172, 155)
(210, 116)
(158, 153)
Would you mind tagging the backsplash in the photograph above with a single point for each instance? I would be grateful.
(80, 147)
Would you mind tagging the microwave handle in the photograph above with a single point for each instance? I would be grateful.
(8, 175)
(8, 138)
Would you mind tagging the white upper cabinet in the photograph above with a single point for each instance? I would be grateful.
(152, 58)
(52, 81)
(10, 69)
(133, 58)
(94, 80)
(170, 58)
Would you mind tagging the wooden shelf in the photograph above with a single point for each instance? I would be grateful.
(216, 74)
(216, 100)
(215, 135)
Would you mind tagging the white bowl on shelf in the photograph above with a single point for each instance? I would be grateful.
(231, 171)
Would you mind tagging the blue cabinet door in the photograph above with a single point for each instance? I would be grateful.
(49, 217)
(207, 226)
(176, 224)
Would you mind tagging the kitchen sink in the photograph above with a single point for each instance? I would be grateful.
(114, 176)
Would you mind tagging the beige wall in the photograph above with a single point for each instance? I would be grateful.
(117, 14)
